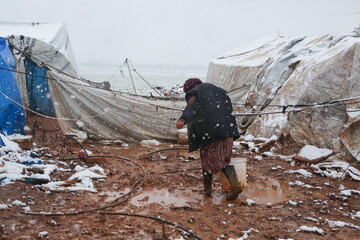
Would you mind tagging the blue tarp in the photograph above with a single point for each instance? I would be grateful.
(38, 89)
(1, 141)
(12, 116)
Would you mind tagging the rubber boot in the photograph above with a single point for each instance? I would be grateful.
(207, 183)
(236, 188)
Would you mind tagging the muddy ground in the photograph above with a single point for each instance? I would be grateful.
(176, 197)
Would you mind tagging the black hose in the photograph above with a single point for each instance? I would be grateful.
(113, 203)
(74, 139)
(156, 219)
(166, 149)
(182, 170)
(134, 188)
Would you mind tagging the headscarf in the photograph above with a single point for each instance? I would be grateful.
(190, 83)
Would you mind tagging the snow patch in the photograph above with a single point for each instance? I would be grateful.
(246, 234)
(311, 219)
(43, 234)
(336, 169)
(302, 172)
(311, 152)
(84, 177)
(334, 224)
(349, 192)
(18, 203)
(80, 124)
(150, 143)
(250, 202)
(9, 145)
(3, 206)
(310, 229)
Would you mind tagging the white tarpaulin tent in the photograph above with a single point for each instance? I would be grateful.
(54, 34)
(273, 74)
(45, 61)
(103, 114)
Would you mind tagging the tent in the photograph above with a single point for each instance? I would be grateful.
(44, 79)
(306, 88)
(12, 116)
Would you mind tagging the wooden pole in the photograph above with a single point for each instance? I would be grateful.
(132, 80)
(146, 82)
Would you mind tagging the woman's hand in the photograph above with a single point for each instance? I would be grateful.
(179, 124)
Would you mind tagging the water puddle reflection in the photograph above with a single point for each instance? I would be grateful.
(176, 198)
(264, 190)
(260, 189)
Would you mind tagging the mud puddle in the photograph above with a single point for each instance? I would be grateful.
(113, 195)
(265, 190)
(260, 189)
(164, 197)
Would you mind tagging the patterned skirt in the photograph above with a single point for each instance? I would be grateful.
(216, 155)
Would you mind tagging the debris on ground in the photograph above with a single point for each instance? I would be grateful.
(292, 200)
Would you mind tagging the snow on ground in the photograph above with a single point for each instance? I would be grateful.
(150, 143)
(300, 183)
(82, 180)
(18, 203)
(273, 155)
(9, 145)
(236, 145)
(43, 234)
(349, 192)
(17, 164)
(336, 169)
(310, 229)
(333, 169)
(311, 219)
(275, 168)
(246, 234)
(302, 172)
(250, 202)
(3, 206)
(334, 224)
(312, 152)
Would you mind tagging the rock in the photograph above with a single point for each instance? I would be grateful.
(267, 146)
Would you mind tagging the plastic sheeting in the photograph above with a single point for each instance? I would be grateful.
(12, 116)
(82, 110)
(44, 53)
(303, 70)
(86, 111)
(38, 89)
(54, 34)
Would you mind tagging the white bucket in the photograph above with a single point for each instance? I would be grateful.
(182, 136)
(240, 168)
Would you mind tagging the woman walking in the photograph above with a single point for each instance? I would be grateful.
(212, 128)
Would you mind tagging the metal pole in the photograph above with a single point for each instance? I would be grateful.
(132, 80)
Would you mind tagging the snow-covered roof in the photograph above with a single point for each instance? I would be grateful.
(275, 72)
(46, 32)
(54, 34)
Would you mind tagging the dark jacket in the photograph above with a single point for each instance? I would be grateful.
(208, 115)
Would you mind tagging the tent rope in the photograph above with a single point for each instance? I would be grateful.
(119, 68)
(45, 116)
(147, 82)
(311, 106)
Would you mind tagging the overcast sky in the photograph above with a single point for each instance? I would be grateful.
(190, 32)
